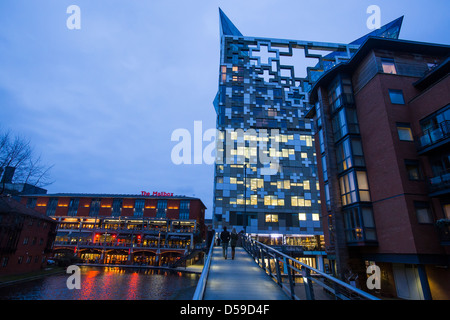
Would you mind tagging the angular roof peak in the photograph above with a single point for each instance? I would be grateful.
(390, 30)
(226, 26)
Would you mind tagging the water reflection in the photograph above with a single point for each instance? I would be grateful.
(108, 284)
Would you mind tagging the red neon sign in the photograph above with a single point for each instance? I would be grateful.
(158, 194)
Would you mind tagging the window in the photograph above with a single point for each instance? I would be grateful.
(315, 217)
(271, 218)
(73, 207)
(272, 112)
(161, 209)
(184, 210)
(31, 202)
(359, 224)
(318, 115)
(95, 207)
(324, 168)
(369, 223)
(184, 215)
(344, 122)
(321, 140)
(446, 208)
(353, 190)
(363, 186)
(139, 207)
(302, 216)
(413, 170)
(404, 132)
(344, 157)
(5, 261)
(423, 212)
(396, 96)
(51, 208)
(116, 208)
(388, 66)
(339, 93)
(348, 188)
(327, 197)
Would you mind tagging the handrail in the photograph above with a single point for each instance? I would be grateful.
(201, 284)
(271, 252)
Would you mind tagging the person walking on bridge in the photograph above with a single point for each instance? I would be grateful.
(233, 242)
(225, 238)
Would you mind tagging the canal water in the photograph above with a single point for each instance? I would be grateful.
(108, 283)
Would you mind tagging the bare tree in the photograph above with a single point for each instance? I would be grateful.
(18, 159)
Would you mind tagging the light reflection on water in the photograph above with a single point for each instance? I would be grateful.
(108, 284)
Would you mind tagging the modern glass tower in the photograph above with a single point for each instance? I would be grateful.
(266, 181)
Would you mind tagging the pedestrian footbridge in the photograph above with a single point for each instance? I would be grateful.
(260, 272)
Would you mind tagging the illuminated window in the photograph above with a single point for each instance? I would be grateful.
(271, 218)
(363, 186)
(306, 185)
(253, 199)
(297, 201)
(272, 112)
(270, 200)
(302, 216)
(224, 73)
(315, 217)
(388, 66)
(348, 188)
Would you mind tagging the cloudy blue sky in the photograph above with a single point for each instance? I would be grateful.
(101, 103)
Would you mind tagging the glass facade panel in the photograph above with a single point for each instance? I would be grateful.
(95, 208)
(139, 207)
(116, 207)
(51, 207)
(73, 207)
(161, 209)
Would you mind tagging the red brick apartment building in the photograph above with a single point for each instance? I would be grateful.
(123, 229)
(383, 153)
(26, 238)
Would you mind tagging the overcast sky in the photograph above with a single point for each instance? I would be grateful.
(101, 103)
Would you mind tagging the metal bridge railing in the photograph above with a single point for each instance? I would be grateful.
(201, 284)
(300, 281)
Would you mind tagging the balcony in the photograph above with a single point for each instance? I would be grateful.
(434, 137)
(439, 185)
